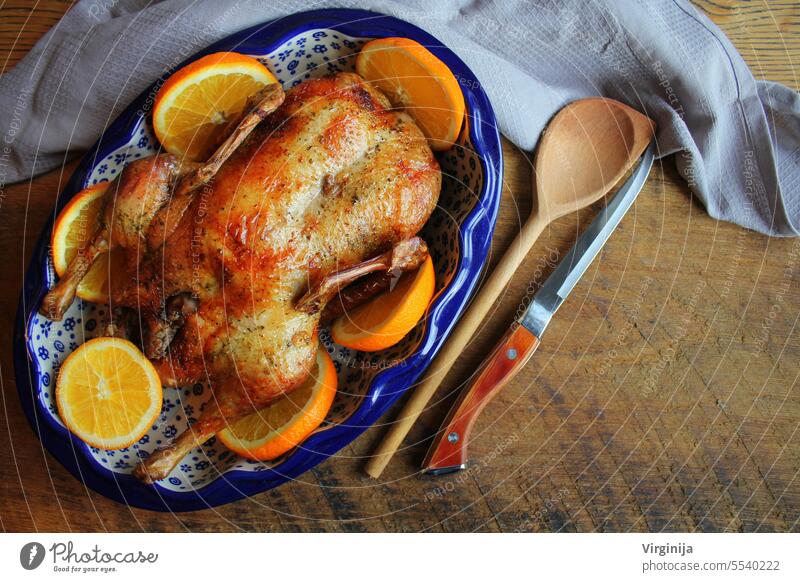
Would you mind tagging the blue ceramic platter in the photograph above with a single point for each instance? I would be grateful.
(296, 48)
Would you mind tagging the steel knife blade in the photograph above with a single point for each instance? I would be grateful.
(572, 267)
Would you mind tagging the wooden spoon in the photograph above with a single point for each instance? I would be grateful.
(588, 146)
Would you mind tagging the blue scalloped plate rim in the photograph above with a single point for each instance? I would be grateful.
(474, 238)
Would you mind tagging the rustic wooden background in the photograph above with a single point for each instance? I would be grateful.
(665, 397)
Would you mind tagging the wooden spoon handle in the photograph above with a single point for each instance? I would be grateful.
(449, 450)
(455, 345)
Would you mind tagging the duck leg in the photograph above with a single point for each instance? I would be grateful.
(356, 294)
(158, 465)
(405, 256)
(224, 408)
(263, 103)
(129, 204)
(60, 297)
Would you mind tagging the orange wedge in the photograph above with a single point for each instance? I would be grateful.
(108, 394)
(199, 104)
(268, 433)
(74, 229)
(387, 318)
(414, 79)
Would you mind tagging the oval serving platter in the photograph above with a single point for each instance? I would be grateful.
(295, 48)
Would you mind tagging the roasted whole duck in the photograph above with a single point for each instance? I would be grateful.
(230, 263)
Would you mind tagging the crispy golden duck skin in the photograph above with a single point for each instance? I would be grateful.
(332, 185)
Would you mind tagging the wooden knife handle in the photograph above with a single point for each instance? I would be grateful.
(449, 451)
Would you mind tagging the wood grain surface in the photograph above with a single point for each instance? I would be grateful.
(665, 396)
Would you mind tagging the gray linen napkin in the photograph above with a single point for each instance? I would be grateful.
(737, 140)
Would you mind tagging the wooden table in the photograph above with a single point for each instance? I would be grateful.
(665, 396)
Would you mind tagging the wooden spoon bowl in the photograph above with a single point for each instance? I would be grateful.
(586, 149)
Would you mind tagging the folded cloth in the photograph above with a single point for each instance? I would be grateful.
(737, 140)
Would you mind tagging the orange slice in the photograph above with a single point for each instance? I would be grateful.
(414, 79)
(198, 105)
(268, 433)
(74, 229)
(387, 318)
(108, 394)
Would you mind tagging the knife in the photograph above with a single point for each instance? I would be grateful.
(448, 453)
